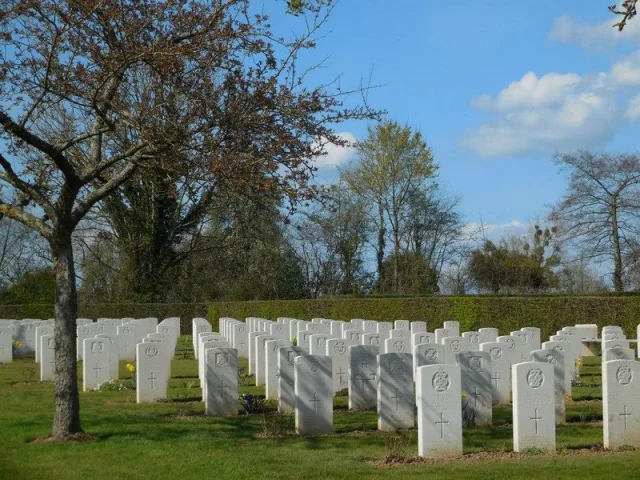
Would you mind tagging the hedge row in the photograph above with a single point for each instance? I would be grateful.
(549, 313)
(186, 311)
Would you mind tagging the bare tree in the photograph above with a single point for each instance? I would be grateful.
(599, 213)
(434, 229)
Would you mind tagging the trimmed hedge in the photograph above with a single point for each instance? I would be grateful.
(549, 313)
(186, 311)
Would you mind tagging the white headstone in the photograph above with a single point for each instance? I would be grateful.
(397, 345)
(114, 355)
(95, 364)
(533, 337)
(453, 327)
(384, 329)
(607, 344)
(488, 335)
(372, 339)
(618, 353)
(418, 327)
(400, 333)
(337, 349)
(420, 338)
(127, 341)
(432, 354)
(395, 391)
(278, 330)
(241, 339)
(318, 344)
(534, 416)
(261, 367)
(455, 344)
(47, 358)
(370, 326)
(475, 371)
(152, 374)
(402, 325)
(441, 333)
(286, 379)
(556, 358)
(304, 340)
(221, 376)
(200, 325)
(472, 341)
(40, 331)
(439, 411)
(568, 362)
(84, 332)
(314, 394)
(271, 360)
(501, 361)
(521, 345)
(6, 349)
(363, 381)
(621, 403)
(353, 335)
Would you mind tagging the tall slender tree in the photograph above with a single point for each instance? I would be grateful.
(394, 162)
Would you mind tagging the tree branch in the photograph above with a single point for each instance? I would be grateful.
(84, 205)
(45, 147)
(30, 190)
(25, 218)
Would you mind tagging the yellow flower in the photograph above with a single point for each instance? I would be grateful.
(17, 343)
(463, 394)
(131, 367)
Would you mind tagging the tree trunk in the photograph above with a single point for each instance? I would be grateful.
(66, 420)
(617, 253)
(380, 252)
(396, 252)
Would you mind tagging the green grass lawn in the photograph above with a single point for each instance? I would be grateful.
(175, 440)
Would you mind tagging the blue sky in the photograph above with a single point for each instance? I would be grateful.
(495, 87)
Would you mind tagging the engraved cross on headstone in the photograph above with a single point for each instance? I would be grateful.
(315, 401)
(536, 418)
(495, 378)
(152, 379)
(625, 415)
(97, 369)
(397, 398)
(442, 422)
(365, 379)
(475, 396)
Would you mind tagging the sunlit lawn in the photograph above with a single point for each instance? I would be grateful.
(175, 440)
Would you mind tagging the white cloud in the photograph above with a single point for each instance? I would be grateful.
(531, 91)
(337, 155)
(546, 114)
(600, 36)
(633, 109)
(627, 71)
